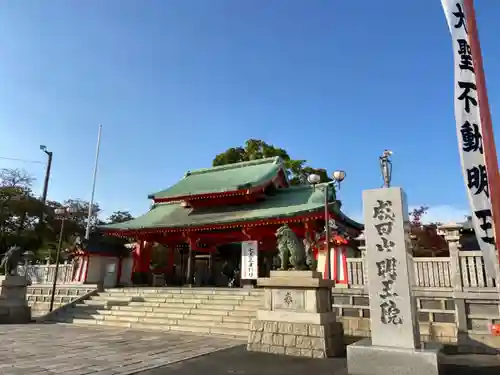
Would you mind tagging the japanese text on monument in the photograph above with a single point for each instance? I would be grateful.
(469, 131)
(384, 216)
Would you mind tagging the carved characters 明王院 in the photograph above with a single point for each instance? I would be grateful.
(383, 216)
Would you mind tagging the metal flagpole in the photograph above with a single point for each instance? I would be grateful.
(490, 153)
(91, 204)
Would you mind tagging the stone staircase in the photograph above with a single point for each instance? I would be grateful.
(38, 296)
(214, 311)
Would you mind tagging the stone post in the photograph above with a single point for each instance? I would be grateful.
(297, 317)
(451, 233)
(395, 340)
(14, 307)
(362, 248)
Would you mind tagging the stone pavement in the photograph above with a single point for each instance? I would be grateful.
(62, 349)
(238, 361)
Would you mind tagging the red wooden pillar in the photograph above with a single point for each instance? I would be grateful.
(136, 256)
(142, 259)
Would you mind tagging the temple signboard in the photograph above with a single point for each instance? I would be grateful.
(249, 260)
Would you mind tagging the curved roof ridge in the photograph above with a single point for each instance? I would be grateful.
(242, 164)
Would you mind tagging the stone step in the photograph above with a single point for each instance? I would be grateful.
(245, 308)
(254, 298)
(253, 304)
(165, 304)
(153, 325)
(183, 309)
(89, 305)
(216, 307)
(207, 323)
(154, 298)
(223, 301)
(179, 298)
(220, 313)
(100, 297)
(194, 315)
(136, 314)
(169, 309)
(202, 311)
(105, 302)
(176, 295)
(173, 310)
(243, 313)
(186, 291)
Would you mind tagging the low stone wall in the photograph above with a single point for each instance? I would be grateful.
(39, 296)
(461, 322)
(296, 339)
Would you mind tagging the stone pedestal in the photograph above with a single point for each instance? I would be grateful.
(14, 307)
(297, 317)
(363, 358)
(394, 347)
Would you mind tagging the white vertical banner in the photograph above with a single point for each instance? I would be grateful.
(249, 260)
(469, 132)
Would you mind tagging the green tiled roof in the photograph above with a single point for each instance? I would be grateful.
(287, 202)
(224, 178)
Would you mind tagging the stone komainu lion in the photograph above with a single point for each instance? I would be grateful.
(11, 260)
(291, 250)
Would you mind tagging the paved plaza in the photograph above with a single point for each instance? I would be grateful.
(62, 349)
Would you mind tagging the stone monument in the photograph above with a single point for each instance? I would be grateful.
(394, 346)
(14, 307)
(297, 317)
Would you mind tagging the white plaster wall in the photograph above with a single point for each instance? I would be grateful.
(94, 270)
(98, 270)
(126, 275)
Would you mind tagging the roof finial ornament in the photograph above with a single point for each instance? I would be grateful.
(386, 167)
(187, 174)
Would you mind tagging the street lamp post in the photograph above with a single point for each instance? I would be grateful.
(46, 181)
(63, 213)
(314, 179)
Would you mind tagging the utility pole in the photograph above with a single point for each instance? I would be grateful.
(46, 182)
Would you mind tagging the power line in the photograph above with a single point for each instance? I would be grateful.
(22, 160)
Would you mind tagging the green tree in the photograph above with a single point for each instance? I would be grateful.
(257, 149)
(119, 217)
(19, 209)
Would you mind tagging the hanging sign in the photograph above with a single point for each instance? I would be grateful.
(249, 260)
(469, 132)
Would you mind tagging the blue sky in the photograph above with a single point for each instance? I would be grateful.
(176, 82)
